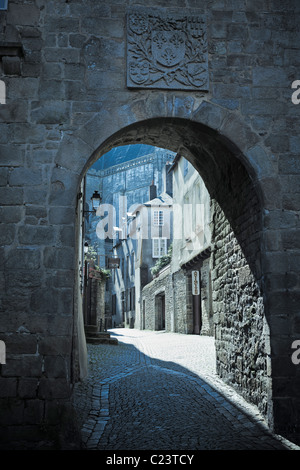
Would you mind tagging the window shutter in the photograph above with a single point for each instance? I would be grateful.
(163, 246)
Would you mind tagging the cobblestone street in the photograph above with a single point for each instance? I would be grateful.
(160, 391)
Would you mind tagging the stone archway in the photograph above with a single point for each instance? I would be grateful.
(240, 177)
(238, 231)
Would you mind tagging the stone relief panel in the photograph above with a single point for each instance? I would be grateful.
(168, 52)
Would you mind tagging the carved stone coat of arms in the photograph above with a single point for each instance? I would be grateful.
(166, 52)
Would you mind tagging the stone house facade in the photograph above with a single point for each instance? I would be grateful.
(153, 231)
(142, 228)
(185, 310)
(126, 178)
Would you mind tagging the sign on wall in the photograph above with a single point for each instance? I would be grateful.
(195, 283)
(166, 51)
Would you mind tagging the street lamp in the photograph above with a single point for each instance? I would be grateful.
(86, 247)
(96, 200)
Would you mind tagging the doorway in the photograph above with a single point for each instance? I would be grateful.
(160, 312)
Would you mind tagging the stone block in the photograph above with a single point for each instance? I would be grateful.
(34, 196)
(53, 388)
(23, 258)
(65, 301)
(59, 258)
(23, 15)
(290, 239)
(7, 234)
(39, 212)
(62, 55)
(11, 65)
(244, 136)
(11, 411)
(22, 88)
(43, 301)
(277, 144)
(36, 235)
(61, 24)
(27, 387)
(29, 133)
(264, 164)
(72, 153)
(21, 344)
(5, 134)
(14, 111)
(31, 70)
(264, 107)
(74, 72)
(75, 89)
(52, 70)
(55, 367)
(289, 164)
(34, 412)
(25, 177)
(23, 366)
(50, 112)
(210, 115)
(230, 91)
(294, 144)
(290, 202)
(237, 31)
(218, 30)
(112, 28)
(8, 387)
(77, 40)
(66, 236)
(51, 90)
(11, 155)
(270, 77)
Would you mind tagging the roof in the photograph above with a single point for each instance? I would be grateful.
(122, 154)
(163, 199)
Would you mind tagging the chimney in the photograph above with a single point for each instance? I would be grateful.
(168, 179)
(152, 191)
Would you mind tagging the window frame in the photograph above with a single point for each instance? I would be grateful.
(158, 217)
(162, 245)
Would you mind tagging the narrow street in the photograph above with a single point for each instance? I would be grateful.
(160, 391)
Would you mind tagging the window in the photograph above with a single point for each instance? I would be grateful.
(159, 247)
(3, 4)
(158, 218)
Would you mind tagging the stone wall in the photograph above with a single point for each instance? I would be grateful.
(177, 289)
(241, 330)
(67, 103)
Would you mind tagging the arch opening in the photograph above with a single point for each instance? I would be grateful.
(239, 318)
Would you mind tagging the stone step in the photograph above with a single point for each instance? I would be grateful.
(91, 328)
(101, 340)
(100, 334)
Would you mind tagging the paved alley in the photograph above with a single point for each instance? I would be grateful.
(160, 391)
